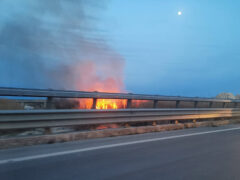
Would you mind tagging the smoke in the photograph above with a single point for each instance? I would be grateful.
(56, 44)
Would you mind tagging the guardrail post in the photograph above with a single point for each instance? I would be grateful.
(50, 104)
(224, 105)
(48, 130)
(155, 103)
(177, 103)
(195, 104)
(129, 103)
(94, 103)
(210, 104)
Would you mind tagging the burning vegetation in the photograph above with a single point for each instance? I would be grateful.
(103, 104)
(101, 77)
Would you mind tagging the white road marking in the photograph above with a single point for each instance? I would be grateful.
(109, 146)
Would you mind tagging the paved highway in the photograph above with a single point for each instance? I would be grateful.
(202, 153)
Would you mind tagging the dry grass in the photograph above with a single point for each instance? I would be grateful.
(10, 104)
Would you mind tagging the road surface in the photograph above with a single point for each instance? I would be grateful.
(201, 153)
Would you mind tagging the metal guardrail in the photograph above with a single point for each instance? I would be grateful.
(50, 94)
(22, 119)
(28, 119)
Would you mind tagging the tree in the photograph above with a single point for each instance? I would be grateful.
(225, 96)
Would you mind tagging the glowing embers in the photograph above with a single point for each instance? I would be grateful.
(142, 104)
(85, 103)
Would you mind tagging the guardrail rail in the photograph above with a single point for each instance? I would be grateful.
(23, 119)
(50, 94)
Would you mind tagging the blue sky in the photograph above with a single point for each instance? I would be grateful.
(196, 54)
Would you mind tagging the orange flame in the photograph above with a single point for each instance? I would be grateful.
(103, 103)
(110, 104)
(100, 77)
(106, 104)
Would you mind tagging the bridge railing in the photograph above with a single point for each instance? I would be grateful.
(50, 94)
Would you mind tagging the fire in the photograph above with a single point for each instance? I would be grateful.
(110, 104)
(101, 77)
(85, 103)
(106, 104)
(103, 104)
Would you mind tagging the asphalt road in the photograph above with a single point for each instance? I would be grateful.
(202, 153)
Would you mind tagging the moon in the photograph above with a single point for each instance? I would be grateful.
(179, 13)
